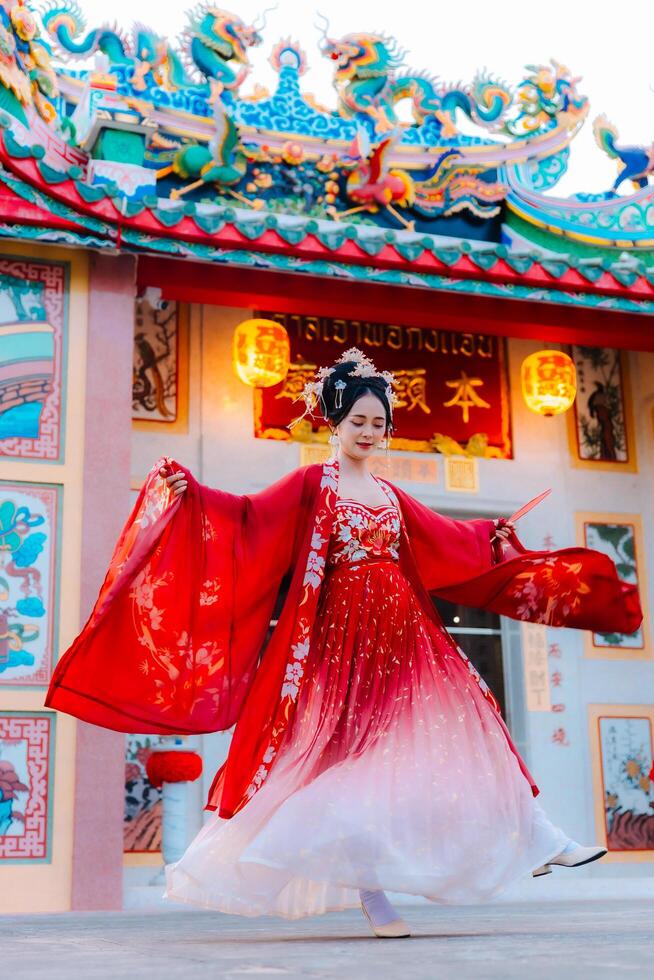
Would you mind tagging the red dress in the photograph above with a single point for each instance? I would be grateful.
(174, 641)
(395, 772)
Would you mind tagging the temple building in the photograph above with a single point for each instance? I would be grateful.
(181, 249)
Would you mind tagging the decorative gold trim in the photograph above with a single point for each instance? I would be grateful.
(142, 859)
(595, 712)
(631, 463)
(591, 650)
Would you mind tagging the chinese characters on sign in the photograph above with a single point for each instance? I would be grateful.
(451, 388)
(534, 647)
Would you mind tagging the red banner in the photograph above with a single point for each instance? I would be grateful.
(452, 388)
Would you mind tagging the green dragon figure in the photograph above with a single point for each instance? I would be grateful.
(215, 44)
(366, 83)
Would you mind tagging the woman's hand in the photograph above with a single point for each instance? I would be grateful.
(503, 529)
(176, 481)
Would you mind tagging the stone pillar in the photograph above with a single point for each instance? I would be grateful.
(100, 754)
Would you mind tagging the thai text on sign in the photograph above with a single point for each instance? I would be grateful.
(452, 389)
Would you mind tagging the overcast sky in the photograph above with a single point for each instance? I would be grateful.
(610, 45)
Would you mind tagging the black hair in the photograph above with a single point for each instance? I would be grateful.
(355, 387)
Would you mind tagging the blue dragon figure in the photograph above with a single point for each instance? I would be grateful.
(636, 163)
(215, 44)
(365, 67)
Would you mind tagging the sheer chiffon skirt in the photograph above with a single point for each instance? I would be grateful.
(395, 774)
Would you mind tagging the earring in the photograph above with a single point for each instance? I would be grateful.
(334, 440)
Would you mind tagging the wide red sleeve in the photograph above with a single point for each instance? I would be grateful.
(446, 551)
(574, 587)
(174, 638)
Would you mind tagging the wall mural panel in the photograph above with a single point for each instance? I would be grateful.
(452, 388)
(29, 533)
(160, 365)
(622, 750)
(600, 426)
(26, 747)
(142, 821)
(620, 537)
(33, 339)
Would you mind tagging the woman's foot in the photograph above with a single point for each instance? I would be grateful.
(383, 918)
(573, 855)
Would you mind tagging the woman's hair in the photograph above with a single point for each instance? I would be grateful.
(337, 403)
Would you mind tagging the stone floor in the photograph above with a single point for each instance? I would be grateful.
(531, 941)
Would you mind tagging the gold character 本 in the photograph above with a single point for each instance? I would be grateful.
(465, 395)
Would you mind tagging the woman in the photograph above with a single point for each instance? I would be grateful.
(367, 754)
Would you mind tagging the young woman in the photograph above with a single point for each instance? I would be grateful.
(367, 753)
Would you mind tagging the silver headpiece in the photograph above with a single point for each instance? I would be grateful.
(364, 368)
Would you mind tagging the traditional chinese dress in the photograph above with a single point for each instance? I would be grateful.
(367, 752)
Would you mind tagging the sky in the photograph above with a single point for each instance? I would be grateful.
(612, 51)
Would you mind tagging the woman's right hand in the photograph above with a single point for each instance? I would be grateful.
(176, 481)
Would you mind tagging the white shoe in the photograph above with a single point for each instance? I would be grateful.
(545, 869)
(574, 855)
(375, 905)
(398, 929)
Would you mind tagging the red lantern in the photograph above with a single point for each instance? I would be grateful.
(173, 767)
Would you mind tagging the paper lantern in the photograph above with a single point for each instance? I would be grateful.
(261, 352)
(173, 766)
(549, 382)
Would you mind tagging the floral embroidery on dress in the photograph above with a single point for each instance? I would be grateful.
(361, 533)
(209, 592)
(557, 581)
(315, 562)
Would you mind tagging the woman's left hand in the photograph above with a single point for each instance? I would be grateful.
(504, 529)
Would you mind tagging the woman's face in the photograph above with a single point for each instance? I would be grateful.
(363, 428)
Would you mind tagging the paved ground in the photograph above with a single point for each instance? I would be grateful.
(534, 941)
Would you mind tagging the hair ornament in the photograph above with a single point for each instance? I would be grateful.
(312, 392)
(339, 385)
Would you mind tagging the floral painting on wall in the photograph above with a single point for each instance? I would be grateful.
(29, 522)
(26, 743)
(601, 417)
(620, 537)
(623, 767)
(142, 822)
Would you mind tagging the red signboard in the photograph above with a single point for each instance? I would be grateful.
(452, 387)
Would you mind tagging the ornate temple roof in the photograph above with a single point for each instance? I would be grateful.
(155, 150)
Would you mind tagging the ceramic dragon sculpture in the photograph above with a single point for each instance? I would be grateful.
(26, 74)
(546, 98)
(636, 163)
(214, 45)
(366, 82)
